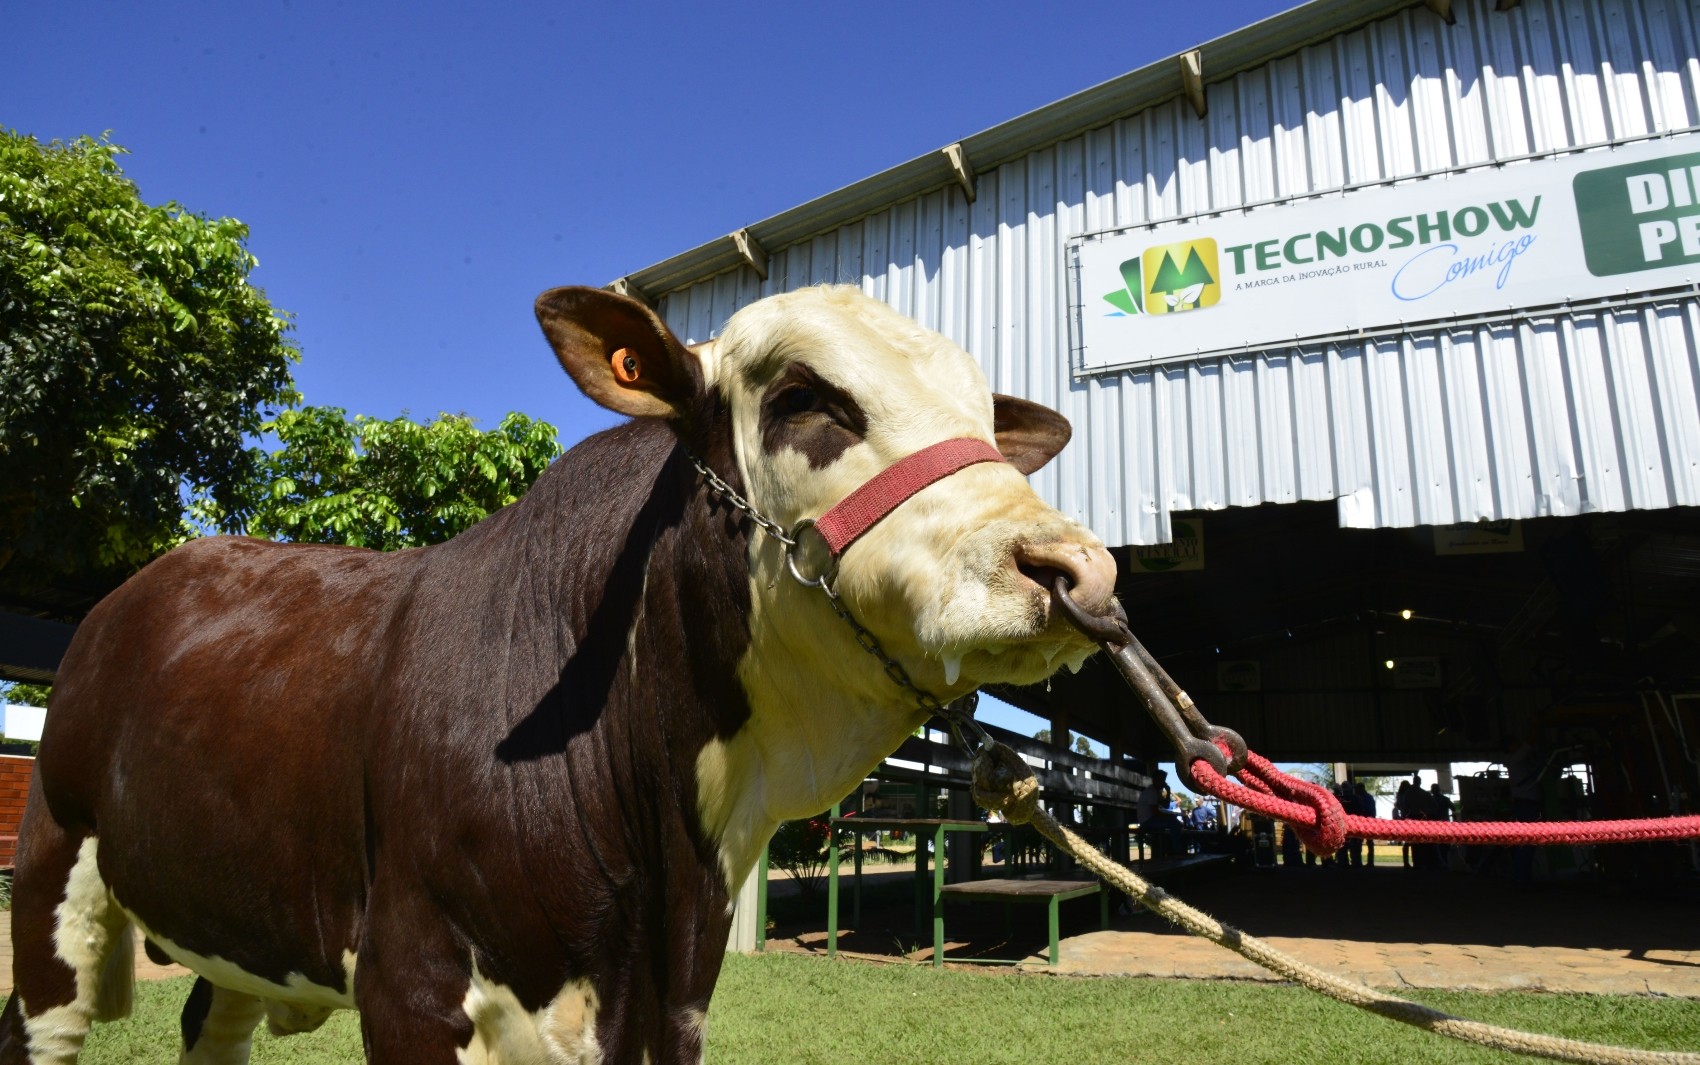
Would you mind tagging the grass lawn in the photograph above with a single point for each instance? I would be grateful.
(792, 1008)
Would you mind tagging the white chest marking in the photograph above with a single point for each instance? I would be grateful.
(295, 990)
(506, 1033)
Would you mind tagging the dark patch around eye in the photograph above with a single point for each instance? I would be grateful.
(803, 411)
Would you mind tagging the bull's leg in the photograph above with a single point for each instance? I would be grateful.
(218, 1025)
(72, 955)
(412, 987)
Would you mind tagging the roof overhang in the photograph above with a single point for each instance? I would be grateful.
(1186, 73)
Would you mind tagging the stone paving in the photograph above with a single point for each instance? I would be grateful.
(1388, 927)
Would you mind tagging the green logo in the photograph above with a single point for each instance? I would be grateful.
(1640, 216)
(1183, 276)
(1130, 298)
(1185, 551)
(1168, 279)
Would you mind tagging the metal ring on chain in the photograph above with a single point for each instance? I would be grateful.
(825, 577)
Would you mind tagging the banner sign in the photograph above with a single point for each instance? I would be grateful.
(1477, 243)
(1184, 551)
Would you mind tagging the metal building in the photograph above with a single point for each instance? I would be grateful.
(1396, 530)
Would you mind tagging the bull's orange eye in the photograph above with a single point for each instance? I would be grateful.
(626, 365)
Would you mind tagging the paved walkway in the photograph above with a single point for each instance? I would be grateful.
(1388, 927)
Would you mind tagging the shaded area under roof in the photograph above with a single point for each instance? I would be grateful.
(30, 648)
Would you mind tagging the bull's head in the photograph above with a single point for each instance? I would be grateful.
(824, 388)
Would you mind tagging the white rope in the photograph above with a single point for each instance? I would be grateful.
(1002, 781)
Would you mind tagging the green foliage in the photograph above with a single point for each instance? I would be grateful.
(1080, 744)
(367, 482)
(21, 694)
(136, 360)
(1319, 773)
(1382, 787)
(799, 848)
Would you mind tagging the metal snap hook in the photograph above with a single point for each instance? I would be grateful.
(822, 578)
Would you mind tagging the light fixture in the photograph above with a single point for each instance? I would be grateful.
(1388, 663)
(1405, 613)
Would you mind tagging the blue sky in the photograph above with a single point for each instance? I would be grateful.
(414, 174)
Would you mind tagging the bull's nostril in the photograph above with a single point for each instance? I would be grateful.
(1041, 575)
(1088, 571)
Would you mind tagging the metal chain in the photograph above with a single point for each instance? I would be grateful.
(726, 492)
(959, 713)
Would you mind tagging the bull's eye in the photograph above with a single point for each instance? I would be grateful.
(805, 413)
(794, 401)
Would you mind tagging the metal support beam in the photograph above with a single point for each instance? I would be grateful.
(1192, 79)
(752, 253)
(624, 286)
(962, 168)
(1443, 8)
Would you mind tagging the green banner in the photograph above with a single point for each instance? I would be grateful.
(1641, 216)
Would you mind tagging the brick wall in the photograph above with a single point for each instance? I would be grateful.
(15, 773)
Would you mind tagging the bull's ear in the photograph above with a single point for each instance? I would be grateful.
(1028, 434)
(619, 352)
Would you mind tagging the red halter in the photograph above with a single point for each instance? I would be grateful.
(881, 494)
(857, 512)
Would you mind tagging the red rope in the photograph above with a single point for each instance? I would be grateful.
(1323, 824)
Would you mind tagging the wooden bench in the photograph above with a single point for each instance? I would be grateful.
(1051, 892)
(929, 766)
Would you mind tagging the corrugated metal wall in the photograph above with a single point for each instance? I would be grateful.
(1560, 416)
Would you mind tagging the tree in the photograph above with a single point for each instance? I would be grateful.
(366, 482)
(136, 362)
(1079, 743)
(22, 694)
(800, 849)
(1319, 773)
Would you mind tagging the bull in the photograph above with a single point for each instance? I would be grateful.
(497, 794)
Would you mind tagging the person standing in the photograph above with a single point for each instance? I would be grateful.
(1441, 803)
(1402, 810)
(1363, 804)
(1423, 855)
(1347, 793)
(1526, 767)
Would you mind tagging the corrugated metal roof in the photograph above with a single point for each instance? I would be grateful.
(1566, 414)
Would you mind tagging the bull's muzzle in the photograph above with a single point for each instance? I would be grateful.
(1088, 569)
